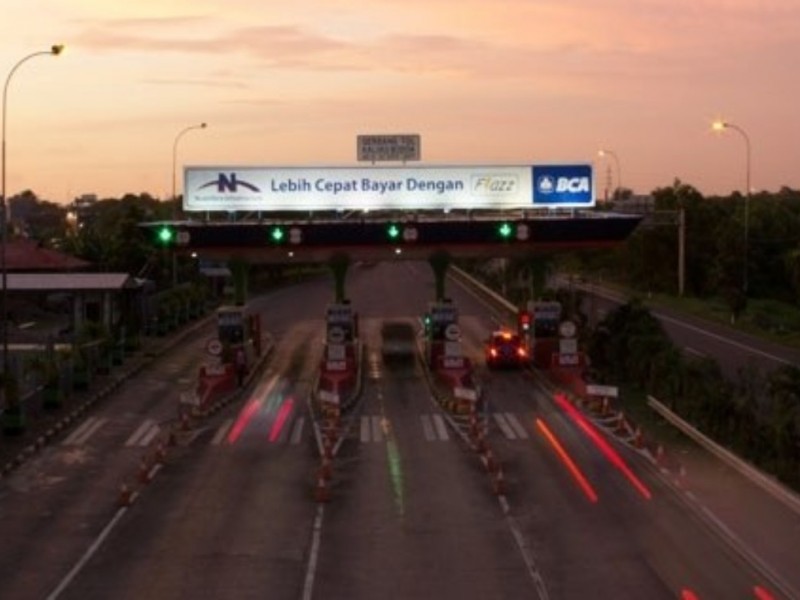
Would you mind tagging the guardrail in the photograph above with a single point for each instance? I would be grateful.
(777, 489)
(770, 485)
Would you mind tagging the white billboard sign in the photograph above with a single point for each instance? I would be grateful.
(235, 188)
(374, 148)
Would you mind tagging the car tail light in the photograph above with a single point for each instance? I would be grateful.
(493, 352)
(521, 352)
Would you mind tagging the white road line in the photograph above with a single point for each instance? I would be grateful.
(695, 352)
(79, 432)
(313, 555)
(364, 429)
(297, 432)
(518, 428)
(441, 428)
(377, 433)
(504, 427)
(427, 428)
(85, 437)
(87, 555)
(143, 428)
(145, 441)
(222, 431)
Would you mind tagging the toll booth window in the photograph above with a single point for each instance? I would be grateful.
(231, 334)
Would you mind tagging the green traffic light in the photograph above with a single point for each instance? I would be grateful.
(393, 231)
(166, 235)
(504, 230)
(277, 234)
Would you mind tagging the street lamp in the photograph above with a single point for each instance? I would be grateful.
(175, 153)
(603, 152)
(720, 125)
(54, 51)
(181, 133)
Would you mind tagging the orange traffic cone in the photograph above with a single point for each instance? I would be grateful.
(638, 438)
(125, 495)
(489, 461)
(325, 469)
(321, 492)
(327, 446)
(660, 454)
(161, 453)
(499, 483)
(621, 424)
(144, 472)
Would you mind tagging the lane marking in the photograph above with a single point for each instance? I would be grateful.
(518, 428)
(143, 428)
(145, 441)
(427, 428)
(377, 430)
(297, 432)
(690, 350)
(222, 431)
(364, 429)
(504, 426)
(84, 432)
(313, 555)
(441, 428)
(87, 555)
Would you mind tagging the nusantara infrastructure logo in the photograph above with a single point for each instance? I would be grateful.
(229, 183)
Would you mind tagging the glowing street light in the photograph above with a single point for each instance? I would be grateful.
(720, 126)
(53, 51)
(603, 153)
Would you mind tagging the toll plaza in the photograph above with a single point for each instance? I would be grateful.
(339, 365)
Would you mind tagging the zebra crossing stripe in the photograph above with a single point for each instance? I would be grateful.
(504, 426)
(84, 432)
(143, 430)
(297, 432)
(441, 428)
(377, 432)
(364, 429)
(518, 428)
(427, 428)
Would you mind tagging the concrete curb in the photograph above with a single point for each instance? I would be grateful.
(148, 356)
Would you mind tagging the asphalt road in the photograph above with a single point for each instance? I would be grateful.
(412, 513)
(733, 350)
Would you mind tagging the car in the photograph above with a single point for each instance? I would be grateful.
(399, 342)
(506, 349)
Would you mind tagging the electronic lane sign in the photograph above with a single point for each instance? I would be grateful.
(238, 188)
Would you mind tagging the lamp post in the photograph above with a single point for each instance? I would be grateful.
(54, 51)
(175, 154)
(181, 133)
(602, 153)
(720, 126)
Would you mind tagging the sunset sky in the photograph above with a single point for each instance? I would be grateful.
(483, 82)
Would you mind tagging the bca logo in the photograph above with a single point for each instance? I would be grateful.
(561, 185)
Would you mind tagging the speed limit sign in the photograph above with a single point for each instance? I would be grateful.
(214, 347)
(452, 332)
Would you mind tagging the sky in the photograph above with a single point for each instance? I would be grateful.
(481, 81)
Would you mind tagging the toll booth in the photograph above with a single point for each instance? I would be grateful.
(339, 368)
(543, 331)
(239, 327)
(441, 330)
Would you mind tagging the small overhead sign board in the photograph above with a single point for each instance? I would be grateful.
(396, 147)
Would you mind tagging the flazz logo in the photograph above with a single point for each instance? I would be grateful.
(494, 184)
(229, 183)
(561, 185)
